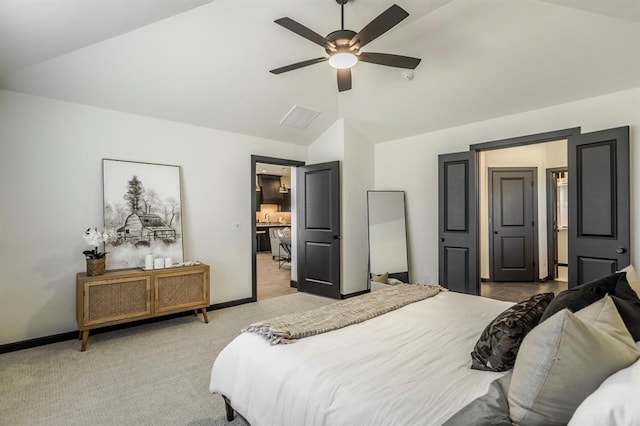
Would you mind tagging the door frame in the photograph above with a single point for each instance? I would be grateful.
(552, 200)
(510, 143)
(254, 244)
(536, 251)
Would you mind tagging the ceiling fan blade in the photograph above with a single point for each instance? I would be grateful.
(297, 65)
(303, 31)
(380, 25)
(389, 60)
(344, 79)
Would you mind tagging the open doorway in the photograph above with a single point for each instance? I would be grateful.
(273, 226)
(516, 234)
(598, 215)
(558, 220)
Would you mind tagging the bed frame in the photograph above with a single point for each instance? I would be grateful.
(231, 412)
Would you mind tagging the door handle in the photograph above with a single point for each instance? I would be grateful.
(441, 240)
(495, 232)
(621, 250)
(337, 237)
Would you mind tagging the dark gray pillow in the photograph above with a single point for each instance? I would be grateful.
(628, 304)
(497, 348)
(583, 295)
(616, 285)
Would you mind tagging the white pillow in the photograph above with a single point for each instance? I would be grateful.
(632, 278)
(614, 403)
(564, 359)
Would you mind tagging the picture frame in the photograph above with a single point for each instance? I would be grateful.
(142, 204)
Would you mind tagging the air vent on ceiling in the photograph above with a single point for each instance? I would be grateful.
(299, 117)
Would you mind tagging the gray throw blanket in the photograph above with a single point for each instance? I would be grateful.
(288, 328)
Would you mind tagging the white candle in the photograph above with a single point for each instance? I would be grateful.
(158, 263)
(148, 261)
(168, 262)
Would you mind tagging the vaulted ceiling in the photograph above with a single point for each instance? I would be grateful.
(206, 62)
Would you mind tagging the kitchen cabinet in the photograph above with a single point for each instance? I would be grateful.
(286, 202)
(258, 200)
(262, 234)
(270, 185)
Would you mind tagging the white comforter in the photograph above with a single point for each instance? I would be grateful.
(407, 367)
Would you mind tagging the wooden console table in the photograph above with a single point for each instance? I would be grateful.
(122, 296)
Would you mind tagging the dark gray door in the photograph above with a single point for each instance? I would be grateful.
(319, 229)
(513, 224)
(598, 166)
(457, 222)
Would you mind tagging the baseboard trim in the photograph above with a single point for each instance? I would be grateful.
(485, 280)
(358, 293)
(70, 335)
(294, 284)
(229, 304)
(38, 341)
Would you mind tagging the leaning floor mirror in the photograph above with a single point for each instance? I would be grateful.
(388, 257)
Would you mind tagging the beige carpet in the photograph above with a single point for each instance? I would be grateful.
(155, 374)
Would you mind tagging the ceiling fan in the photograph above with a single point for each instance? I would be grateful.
(343, 46)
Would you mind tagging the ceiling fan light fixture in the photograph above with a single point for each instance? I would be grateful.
(343, 60)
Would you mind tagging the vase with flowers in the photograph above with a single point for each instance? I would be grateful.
(95, 258)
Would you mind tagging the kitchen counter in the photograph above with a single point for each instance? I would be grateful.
(263, 232)
(272, 225)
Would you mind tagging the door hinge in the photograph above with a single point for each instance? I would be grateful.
(531, 183)
(533, 223)
(534, 263)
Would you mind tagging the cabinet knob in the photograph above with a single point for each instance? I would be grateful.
(441, 240)
(621, 250)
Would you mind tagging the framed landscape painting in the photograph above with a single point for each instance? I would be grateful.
(142, 206)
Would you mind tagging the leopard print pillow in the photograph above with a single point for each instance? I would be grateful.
(498, 345)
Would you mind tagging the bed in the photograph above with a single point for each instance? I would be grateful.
(412, 366)
(381, 371)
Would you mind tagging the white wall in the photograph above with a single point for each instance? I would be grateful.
(341, 142)
(412, 163)
(329, 146)
(541, 156)
(357, 175)
(51, 191)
